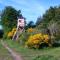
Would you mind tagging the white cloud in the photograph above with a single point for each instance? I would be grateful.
(30, 9)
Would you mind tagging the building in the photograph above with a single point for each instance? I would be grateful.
(20, 27)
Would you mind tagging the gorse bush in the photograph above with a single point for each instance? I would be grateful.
(34, 41)
(30, 30)
(11, 33)
(25, 35)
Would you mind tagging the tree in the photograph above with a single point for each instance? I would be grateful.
(49, 15)
(51, 20)
(31, 24)
(9, 17)
(38, 21)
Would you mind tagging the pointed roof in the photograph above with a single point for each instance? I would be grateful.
(20, 16)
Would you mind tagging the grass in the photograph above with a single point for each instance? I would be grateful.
(4, 54)
(35, 54)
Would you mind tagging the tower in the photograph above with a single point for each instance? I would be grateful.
(20, 27)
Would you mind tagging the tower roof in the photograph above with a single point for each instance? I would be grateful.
(20, 16)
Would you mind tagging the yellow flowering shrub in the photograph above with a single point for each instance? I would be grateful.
(30, 30)
(46, 38)
(11, 33)
(34, 41)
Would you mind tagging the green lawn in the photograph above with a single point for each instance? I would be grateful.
(4, 54)
(35, 54)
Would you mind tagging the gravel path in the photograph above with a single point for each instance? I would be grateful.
(13, 54)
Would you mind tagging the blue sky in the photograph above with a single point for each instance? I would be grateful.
(31, 9)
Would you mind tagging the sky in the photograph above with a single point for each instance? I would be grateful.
(30, 9)
(1, 27)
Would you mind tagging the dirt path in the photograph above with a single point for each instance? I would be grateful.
(13, 54)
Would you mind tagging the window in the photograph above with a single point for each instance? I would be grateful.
(19, 20)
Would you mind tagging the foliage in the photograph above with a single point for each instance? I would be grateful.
(38, 21)
(30, 30)
(55, 29)
(30, 25)
(11, 33)
(9, 18)
(25, 35)
(51, 20)
(34, 41)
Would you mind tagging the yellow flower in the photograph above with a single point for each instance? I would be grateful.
(11, 33)
(30, 30)
(14, 29)
(36, 42)
(37, 39)
(46, 37)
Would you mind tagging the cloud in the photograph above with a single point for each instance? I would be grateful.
(29, 5)
(31, 9)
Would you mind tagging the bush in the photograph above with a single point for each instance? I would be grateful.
(11, 33)
(34, 41)
(25, 35)
(30, 30)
